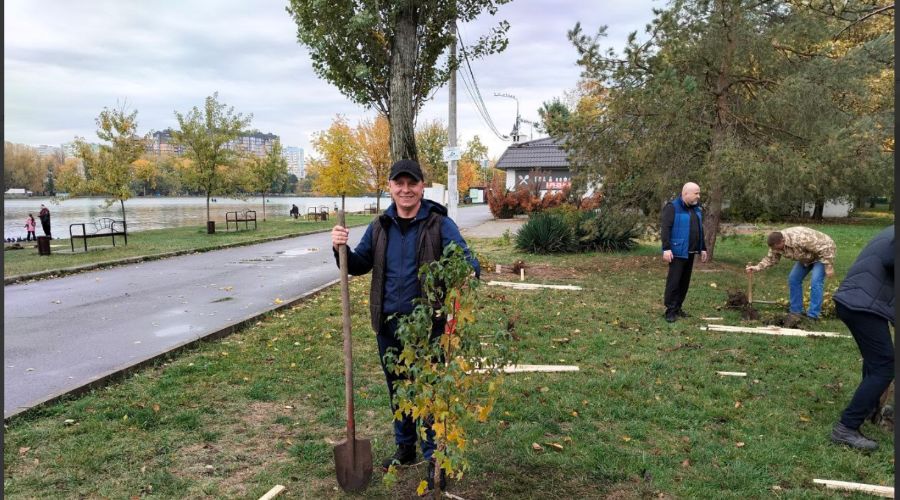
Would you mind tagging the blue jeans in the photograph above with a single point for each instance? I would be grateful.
(816, 288)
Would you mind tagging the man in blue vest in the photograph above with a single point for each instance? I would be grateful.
(411, 232)
(865, 303)
(681, 228)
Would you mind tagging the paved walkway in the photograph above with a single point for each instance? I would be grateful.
(64, 334)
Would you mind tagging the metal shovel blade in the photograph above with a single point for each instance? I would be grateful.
(354, 467)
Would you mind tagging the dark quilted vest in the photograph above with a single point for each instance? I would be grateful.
(429, 248)
(869, 286)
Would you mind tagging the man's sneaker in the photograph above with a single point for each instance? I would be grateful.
(405, 455)
(681, 314)
(841, 434)
(429, 476)
(671, 316)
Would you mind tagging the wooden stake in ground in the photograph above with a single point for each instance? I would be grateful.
(535, 368)
(274, 492)
(771, 330)
(872, 489)
(732, 374)
(531, 286)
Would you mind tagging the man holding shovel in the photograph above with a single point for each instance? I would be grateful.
(411, 232)
(814, 253)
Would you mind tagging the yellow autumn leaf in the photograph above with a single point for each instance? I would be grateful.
(438, 429)
(423, 487)
(626, 438)
(278, 300)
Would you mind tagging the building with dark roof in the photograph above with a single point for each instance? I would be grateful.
(542, 160)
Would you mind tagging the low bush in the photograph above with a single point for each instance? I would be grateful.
(567, 229)
(608, 230)
(546, 233)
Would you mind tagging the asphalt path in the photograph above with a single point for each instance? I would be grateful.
(64, 334)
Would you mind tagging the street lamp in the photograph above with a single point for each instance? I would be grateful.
(515, 130)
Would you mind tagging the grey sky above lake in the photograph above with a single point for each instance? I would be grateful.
(64, 61)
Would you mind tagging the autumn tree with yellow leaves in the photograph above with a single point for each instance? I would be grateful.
(339, 169)
(109, 170)
(374, 138)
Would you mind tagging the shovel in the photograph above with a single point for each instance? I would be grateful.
(352, 456)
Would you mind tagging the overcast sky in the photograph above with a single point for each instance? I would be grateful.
(64, 61)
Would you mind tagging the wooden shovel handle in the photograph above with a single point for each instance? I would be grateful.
(750, 287)
(348, 350)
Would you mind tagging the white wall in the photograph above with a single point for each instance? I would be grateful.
(437, 192)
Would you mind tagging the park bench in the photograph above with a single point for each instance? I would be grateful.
(103, 227)
(317, 213)
(247, 216)
(370, 208)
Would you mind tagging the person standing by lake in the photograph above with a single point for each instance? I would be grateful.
(29, 226)
(44, 215)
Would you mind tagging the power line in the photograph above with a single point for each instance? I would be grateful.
(467, 76)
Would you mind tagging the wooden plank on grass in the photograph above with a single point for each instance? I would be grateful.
(274, 492)
(732, 374)
(531, 286)
(872, 489)
(712, 319)
(771, 330)
(535, 368)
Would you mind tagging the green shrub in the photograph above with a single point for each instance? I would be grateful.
(608, 230)
(546, 233)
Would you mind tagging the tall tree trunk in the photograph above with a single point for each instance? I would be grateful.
(122, 202)
(819, 209)
(207, 206)
(264, 206)
(720, 131)
(402, 115)
(378, 201)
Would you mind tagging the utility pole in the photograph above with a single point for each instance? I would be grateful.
(453, 156)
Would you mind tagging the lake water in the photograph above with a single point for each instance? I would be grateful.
(145, 213)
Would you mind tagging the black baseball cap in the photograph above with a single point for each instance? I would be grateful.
(408, 167)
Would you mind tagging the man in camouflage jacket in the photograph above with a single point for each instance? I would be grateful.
(814, 253)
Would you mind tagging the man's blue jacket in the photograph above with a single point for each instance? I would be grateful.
(401, 283)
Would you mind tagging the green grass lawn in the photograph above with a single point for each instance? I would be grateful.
(156, 242)
(646, 416)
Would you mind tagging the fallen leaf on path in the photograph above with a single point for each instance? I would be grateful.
(537, 447)
(278, 300)
(555, 446)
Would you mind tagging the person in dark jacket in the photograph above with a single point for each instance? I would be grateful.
(411, 232)
(865, 303)
(681, 228)
(44, 215)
